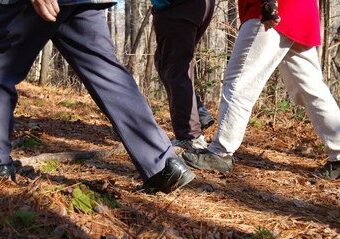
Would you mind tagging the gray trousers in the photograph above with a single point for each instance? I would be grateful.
(82, 37)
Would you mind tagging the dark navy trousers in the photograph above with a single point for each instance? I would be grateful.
(178, 30)
(82, 36)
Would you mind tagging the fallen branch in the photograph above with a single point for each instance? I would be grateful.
(65, 157)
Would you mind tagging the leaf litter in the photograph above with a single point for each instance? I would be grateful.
(272, 192)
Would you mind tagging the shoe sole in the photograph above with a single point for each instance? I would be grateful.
(185, 178)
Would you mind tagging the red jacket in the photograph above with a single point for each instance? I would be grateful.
(300, 20)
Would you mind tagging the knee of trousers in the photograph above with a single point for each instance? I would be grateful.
(178, 83)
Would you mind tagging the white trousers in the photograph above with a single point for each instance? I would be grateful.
(255, 56)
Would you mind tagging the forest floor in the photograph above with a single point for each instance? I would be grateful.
(271, 193)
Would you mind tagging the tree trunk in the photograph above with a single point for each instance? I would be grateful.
(149, 63)
(326, 18)
(65, 69)
(132, 58)
(133, 35)
(45, 62)
(110, 20)
(127, 29)
(134, 22)
(115, 27)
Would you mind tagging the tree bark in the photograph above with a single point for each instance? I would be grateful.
(132, 58)
(110, 20)
(115, 27)
(133, 35)
(127, 35)
(45, 63)
(326, 18)
(149, 63)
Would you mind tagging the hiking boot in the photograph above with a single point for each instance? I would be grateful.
(206, 119)
(7, 170)
(191, 145)
(331, 170)
(209, 161)
(175, 174)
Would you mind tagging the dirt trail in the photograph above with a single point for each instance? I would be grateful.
(272, 192)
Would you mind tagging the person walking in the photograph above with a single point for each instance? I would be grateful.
(79, 31)
(274, 34)
(179, 25)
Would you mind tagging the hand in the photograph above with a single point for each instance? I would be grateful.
(270, 14)
(47, 9)
(271, 23)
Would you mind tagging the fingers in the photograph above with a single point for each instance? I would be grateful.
(47, 9)
(44, 13)
(51, 11)
(55, 6)
(271, 23)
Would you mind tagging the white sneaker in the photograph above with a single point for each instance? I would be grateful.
(191, 145)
